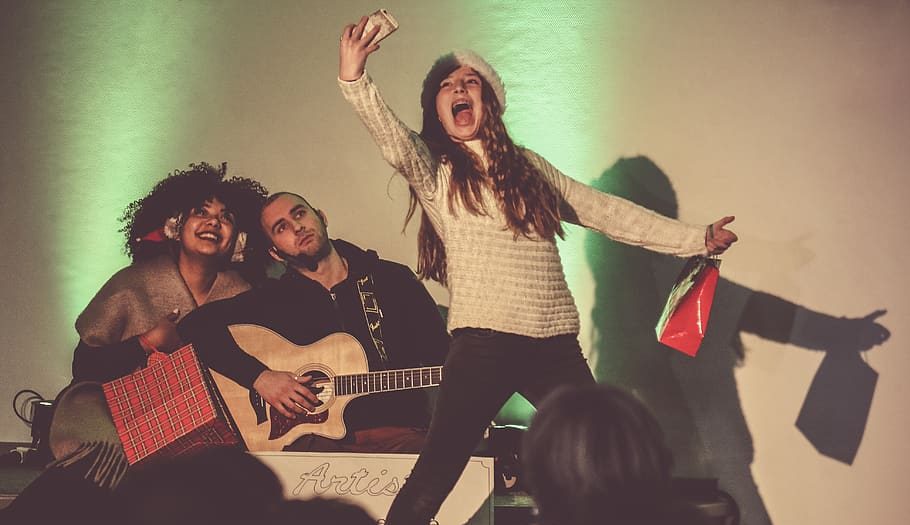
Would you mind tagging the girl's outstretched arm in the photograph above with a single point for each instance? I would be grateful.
(629, 223)
(401, 147)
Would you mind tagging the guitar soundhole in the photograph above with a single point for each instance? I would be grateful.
(322, 386)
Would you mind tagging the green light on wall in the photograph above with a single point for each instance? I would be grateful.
(119, 77)
(543, 52)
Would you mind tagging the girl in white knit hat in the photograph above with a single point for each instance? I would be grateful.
(490, 215)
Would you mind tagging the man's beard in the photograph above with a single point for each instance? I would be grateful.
(308, 262)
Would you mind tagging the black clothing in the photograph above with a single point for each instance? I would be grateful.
(108, 362)
(483, 369)
(302, 311)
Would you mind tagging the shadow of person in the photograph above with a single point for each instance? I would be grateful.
(696, 400)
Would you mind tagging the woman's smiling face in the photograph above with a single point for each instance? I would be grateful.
(208, 230)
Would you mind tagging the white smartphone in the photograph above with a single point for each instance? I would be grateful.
(384, 20)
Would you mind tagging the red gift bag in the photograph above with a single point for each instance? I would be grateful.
(683, 323)
(168, 408)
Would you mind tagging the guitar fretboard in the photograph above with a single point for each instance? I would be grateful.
(385, 381)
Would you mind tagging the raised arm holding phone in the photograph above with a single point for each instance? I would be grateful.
(490, 215)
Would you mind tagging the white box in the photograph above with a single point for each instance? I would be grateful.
(373, 480)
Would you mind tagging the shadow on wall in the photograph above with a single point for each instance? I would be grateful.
(696, 400)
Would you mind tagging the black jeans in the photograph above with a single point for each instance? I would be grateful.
(483, 369)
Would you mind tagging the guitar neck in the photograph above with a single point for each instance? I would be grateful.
(388, 380)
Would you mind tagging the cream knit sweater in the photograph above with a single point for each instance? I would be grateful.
(497, 281)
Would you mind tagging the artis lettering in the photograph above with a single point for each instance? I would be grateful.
(355, 484)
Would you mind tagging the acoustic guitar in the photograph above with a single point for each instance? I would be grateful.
(340, 373)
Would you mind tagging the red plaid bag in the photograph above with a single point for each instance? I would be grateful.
(684, 321)
(168, 408)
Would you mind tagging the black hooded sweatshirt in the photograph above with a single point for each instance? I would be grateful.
(303, 312)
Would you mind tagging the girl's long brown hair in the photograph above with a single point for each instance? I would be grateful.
(528, 201)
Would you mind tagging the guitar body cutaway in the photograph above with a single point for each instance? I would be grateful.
(331, 356)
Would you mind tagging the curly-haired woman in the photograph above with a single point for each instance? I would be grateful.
(491, 212)
(188, 244)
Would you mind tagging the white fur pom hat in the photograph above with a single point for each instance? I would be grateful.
(447, 63)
